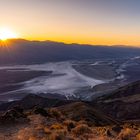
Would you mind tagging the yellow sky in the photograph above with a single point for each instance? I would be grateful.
(75, 21)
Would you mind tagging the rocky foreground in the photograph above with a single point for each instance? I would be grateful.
(75, 121)
(112, 117)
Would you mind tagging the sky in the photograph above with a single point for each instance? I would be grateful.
(102, 22)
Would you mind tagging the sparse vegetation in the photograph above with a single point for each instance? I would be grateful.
(51, 124)
(55, 113)
(81, 129)
(69, 124)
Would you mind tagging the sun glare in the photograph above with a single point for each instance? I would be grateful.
(6, 33)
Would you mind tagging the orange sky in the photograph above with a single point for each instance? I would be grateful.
(103, 22)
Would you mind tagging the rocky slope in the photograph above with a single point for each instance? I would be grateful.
(111, 117)
(122, 104)
(74, 121)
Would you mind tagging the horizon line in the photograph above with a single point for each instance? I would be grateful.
(76, 43)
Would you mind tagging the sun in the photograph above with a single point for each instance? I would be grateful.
(6, 33)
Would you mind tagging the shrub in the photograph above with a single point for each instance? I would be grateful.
(69, 124)
(47, 130)
(81, 129)
(102, 131)
(56, 126)
(82, 122)
(57, 137)
(41, 111)
(30, 133)
(55, 113)
(126, 134)
(39, 127)
(138, 136)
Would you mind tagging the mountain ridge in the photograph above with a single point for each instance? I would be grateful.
(20, 51)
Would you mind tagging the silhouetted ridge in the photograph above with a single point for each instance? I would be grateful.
(27, 52)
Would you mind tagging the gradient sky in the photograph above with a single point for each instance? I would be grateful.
(74, 21)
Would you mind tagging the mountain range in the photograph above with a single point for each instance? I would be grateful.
(20, 51)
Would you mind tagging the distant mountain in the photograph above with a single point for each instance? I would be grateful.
(20, 51)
